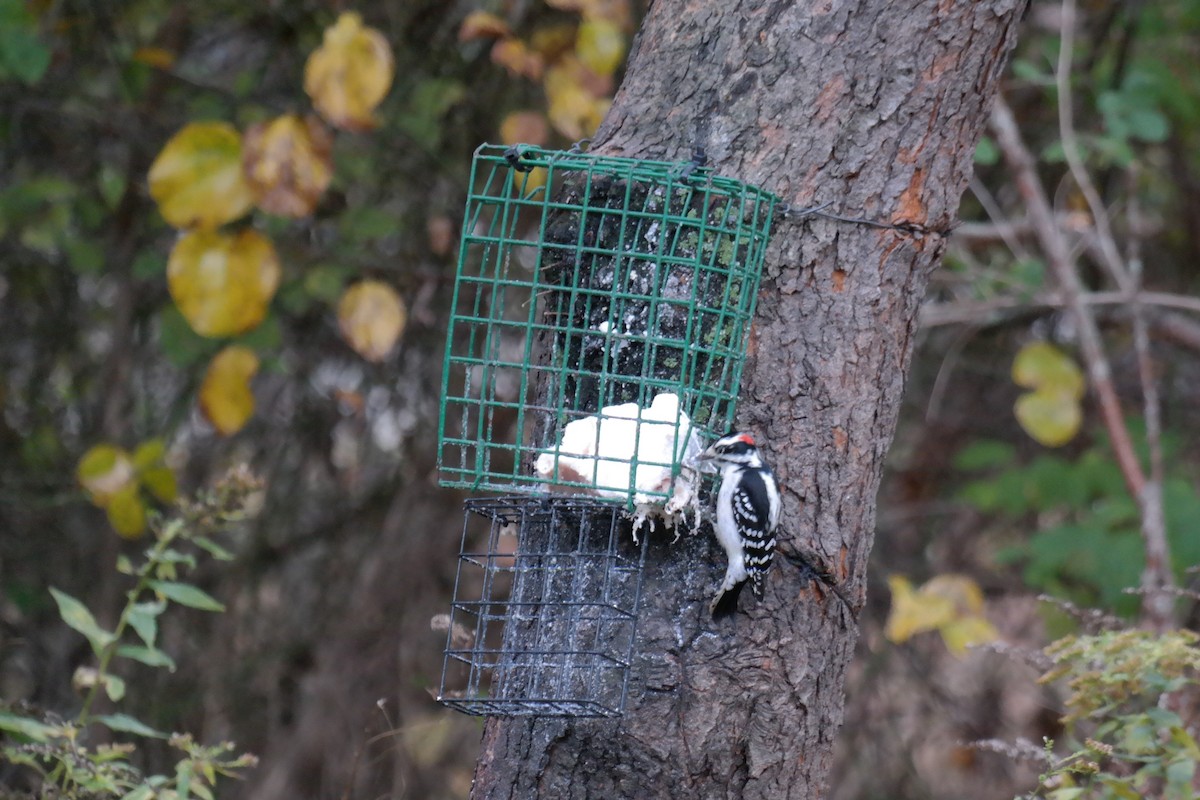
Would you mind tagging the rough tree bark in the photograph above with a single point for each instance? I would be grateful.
(874, 106)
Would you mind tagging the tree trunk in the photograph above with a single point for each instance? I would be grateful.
(875, 107)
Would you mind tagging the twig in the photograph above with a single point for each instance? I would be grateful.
(1020, 160)
(1157, 604)
(1111, 259)
(955, 313)
(1007, 233)
(1158, 584)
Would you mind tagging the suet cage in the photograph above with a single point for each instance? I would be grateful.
(610, 292)
(545, 609)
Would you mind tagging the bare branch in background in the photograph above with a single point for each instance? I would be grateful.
(1111, 256)
(1062, 267)
(979, 311)
(1157, 581)
(1157, 584)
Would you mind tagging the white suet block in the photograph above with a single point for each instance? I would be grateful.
(599, 452)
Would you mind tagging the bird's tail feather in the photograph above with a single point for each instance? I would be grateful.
(725, 604)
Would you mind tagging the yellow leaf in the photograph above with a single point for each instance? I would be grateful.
(600, 45)
(1041, 365)
(225, 396)
(197, 179)
(160, 481)
(914, 612)
(1050, 416)
(962, 632)
(104, 471)
(571, 105)
(524, 127)
(619, 12)
(127, 513)
(527, 183)
(552, 42)
(482, 25)
(157, 57)
(152, 471)
(950, 604)
(222, 283)
(349, 74)
(371, 316)
(289, 163)
(519, 60)
(149, 453)
(961, 591)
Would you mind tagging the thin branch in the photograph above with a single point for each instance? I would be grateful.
(1006, 233)
(1020, 160)
(1158, 584)
(1157, 605)
(973, 313)
(1111, 257)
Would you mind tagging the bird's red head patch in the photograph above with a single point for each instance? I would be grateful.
(746, 438)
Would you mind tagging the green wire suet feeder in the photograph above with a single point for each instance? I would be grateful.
(599, 321)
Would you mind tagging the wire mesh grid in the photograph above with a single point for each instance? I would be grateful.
(610, 292)
(545, 609)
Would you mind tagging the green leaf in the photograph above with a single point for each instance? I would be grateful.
(22, 55)
(985, 454)
(24, 726)
(1070, 793)
(142, 617)
(77, 616)
(149, 264)
(141, 793)
(1179, 777)
(265, 338)
(85, 257)
(1121, 788)
(1026, 70)
(150, 656)
(173, 556)
(325, 282)
(1149, 125)
(182, 346)
(183, 778)
(186, 595)
(986, 152)
(213, 549)
(366, 224)
(127, 724)
(114, 687)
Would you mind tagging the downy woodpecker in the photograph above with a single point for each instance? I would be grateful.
(746, 518)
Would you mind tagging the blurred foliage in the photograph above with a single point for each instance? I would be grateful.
(949, 604)
(117, 482)
(1050, 413)
(1080, 530)
(1127, 741)
(575, 61)
(57, 751)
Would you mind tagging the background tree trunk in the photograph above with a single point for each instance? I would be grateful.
(874, 106)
